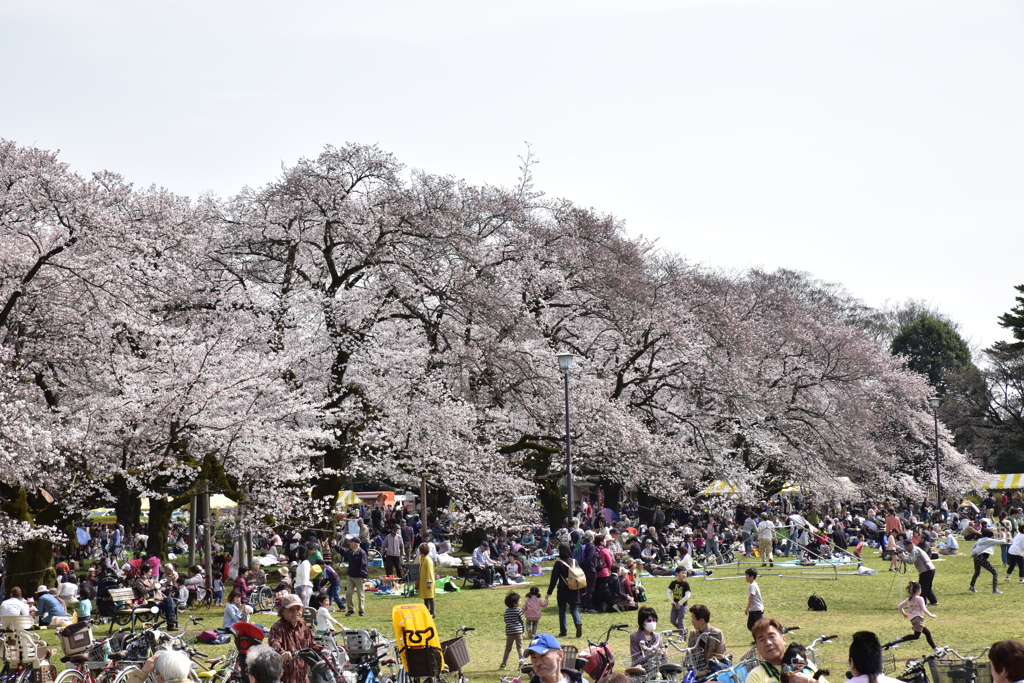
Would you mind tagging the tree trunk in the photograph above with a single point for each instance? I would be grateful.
(160, 509)
(26, 565)
(127, 506)
(646, 504)
(553, 503)
(612, 494)
(471, 539)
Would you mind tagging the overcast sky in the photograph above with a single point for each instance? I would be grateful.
(875, 144)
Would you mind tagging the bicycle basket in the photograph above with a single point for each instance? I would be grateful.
(456, 654)
(422, 662)
(959, 671)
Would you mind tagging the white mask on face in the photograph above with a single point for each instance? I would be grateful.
(650, 626)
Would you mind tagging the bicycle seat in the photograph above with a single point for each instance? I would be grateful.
(387, 661)
(635, 671)
(80, 657)
(670, 670)
(118, 656)
(203, 675)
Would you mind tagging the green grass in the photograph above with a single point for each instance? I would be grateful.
(965, 621)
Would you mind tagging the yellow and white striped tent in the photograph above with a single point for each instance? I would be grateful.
(347, 498)
(720, 487)
(1004, 481)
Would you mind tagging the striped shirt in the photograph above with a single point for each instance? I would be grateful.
(513, 621)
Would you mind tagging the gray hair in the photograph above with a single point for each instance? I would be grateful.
(265, 664)
(173, 665)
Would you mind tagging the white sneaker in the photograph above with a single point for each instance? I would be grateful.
(938, 650)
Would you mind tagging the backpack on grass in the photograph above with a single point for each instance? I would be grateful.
(816, 603)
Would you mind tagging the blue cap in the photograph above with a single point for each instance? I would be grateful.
(542, 643)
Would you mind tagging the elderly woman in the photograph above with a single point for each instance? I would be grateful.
(264, 665)
(170, 666)
(291, 634)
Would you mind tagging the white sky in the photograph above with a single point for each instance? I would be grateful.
(876, 144)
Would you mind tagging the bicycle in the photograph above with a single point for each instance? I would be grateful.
(29, 656)
(962, 669)
(598, 658)
(455, 652)
(915, 671)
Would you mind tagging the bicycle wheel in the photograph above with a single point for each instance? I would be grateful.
(122, 677)
(71, 676)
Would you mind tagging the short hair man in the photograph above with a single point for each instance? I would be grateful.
(546, 658)
(771, 645)
(705, 636)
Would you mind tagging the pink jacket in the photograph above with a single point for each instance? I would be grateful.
(532, 608)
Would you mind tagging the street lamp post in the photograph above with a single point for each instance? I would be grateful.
(564, 363)
(935, 401)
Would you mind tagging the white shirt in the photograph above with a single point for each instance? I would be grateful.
(765, 530)
(14, 607)
(302, 574)
(1017, 545)
(755, 590)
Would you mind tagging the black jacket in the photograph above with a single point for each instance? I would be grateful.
(560, 580)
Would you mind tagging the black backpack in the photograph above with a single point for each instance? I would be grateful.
(816, 603)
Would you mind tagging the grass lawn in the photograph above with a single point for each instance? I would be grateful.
(966, 621)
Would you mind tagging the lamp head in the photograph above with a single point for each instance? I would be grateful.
(565, 361)
(935, 401)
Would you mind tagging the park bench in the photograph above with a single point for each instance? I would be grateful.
(468, 570)
(130, 613)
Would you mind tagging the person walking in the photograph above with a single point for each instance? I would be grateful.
(1015, 553)
(568, 599)
(393, 548)
(925, 570)
(766, 539)
(980, 553)
(358, 572)
(755, 604)
(513, 617)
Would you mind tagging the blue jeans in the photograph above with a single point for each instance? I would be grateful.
(576, 618)
(334, 592)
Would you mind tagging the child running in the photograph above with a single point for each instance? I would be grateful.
(531, 610)
(513, 626)
(918, 610)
